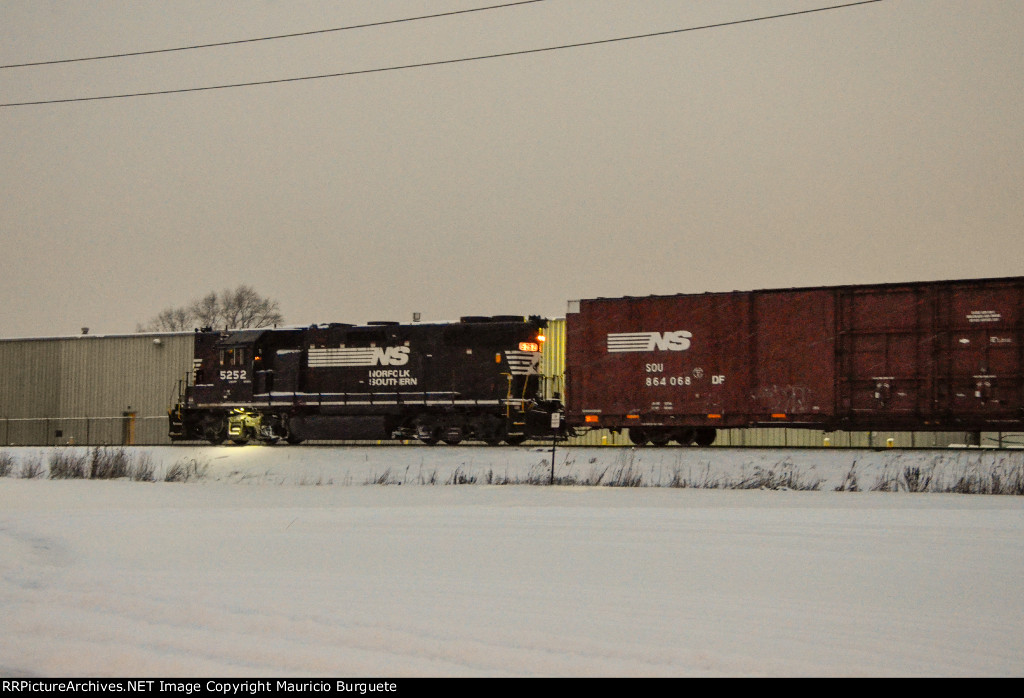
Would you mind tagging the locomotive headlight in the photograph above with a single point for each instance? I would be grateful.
(529, 346)
(541, 338)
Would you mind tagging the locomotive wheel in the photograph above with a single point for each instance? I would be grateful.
(515, 440)
(215, 429)
(240, 441)
(638, 436)
(293, 427)
(429, 435)
(491, 430)
(452, 436)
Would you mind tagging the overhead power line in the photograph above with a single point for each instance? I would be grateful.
(449, 61)
(270, 38)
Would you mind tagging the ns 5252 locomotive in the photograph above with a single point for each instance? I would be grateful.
(475, 379)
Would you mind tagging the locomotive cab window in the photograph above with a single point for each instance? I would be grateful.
(236, 356)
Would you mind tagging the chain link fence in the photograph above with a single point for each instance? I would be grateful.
(126, 430)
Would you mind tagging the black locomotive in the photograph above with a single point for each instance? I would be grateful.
(475, 379)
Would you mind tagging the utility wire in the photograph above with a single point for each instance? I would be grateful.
(449, 61)
(270, 38)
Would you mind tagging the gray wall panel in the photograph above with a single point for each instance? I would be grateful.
(29, 378)
(77, 389)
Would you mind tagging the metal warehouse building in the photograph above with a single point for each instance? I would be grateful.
(116, 389)
(90, 389)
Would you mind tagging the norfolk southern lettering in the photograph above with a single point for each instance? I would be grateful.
(385, 377)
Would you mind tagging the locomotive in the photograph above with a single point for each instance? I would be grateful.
(475, 379)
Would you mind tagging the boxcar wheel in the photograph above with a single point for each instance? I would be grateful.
(660, 439)
(705, 437)
(638, 436)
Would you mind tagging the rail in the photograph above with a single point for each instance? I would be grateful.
(152, 431)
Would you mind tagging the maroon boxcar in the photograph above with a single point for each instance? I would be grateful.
(944, 355)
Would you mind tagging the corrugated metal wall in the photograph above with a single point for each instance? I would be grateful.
(552, 360)
(90, 389)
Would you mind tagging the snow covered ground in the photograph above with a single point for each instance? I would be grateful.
(283, 562)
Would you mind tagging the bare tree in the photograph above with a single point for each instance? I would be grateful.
(206, 310)
(243, 307)
(238, 308)
(169, 320)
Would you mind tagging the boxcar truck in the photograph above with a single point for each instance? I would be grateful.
(931, 356)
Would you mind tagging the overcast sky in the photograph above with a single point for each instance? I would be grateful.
(877, 143)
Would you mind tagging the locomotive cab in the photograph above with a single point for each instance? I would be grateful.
(234, 373)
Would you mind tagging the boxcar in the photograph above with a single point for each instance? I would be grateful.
(924, 356)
